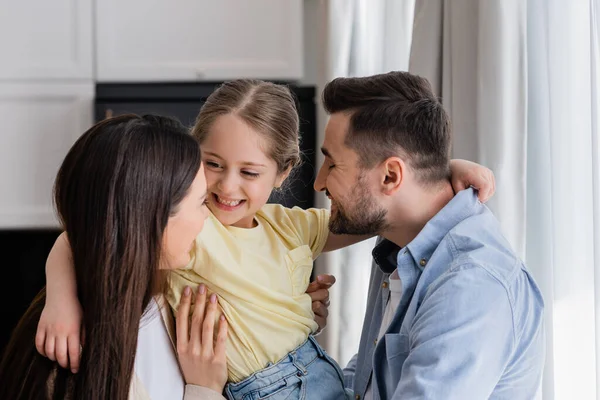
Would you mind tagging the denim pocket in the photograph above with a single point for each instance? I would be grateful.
(291, 387)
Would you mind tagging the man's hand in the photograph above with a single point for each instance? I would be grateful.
(318, 291)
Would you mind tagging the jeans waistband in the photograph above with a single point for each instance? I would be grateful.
(295, 362)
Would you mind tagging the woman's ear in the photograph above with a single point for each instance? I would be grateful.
(282, 177)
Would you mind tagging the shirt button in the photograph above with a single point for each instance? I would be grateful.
(423, 262)
(384, 285)
(357, 397)
(375, 342)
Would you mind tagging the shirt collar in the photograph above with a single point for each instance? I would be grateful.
(463, 205)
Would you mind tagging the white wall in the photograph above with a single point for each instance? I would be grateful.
(313, 40)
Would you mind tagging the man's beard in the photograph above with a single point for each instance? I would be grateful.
(364, 218)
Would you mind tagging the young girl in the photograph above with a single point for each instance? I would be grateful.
(258, 257)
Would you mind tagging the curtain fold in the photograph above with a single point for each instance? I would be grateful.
(561, 220)
(474, 53)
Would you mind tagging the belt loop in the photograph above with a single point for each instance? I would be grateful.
(297, 364)
(316, 346)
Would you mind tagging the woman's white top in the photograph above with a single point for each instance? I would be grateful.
(157, 375)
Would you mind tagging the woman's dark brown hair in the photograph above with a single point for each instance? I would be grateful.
(114, 194)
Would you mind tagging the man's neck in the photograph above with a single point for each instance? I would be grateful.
(413, 213)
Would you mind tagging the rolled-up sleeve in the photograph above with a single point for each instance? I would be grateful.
(461, 338)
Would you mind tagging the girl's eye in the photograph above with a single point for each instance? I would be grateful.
(251, 174)
(213, 164)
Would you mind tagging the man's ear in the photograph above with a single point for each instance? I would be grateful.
(392, 175)
(282, 177)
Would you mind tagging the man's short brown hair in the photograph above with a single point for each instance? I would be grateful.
(394, 114)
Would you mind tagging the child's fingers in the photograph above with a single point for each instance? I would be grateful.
(40, 342)
(326, 280)
(314, 285)
(221, 339)
(484, 195)
(60, 351)
(74, 352)
(458, 186)
(320, 295)
(49, 347)
(486, 190)
(208, 327)
(198, 318)
(322, 282)
(321, 322)
(492, 187)
(320, 309)
(181, 325)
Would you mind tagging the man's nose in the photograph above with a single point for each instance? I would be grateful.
(320, 180)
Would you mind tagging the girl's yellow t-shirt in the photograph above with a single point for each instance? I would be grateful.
(260, 276)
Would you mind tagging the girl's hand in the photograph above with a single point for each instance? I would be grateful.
(466, 173)
(202, 359)
(59, 332)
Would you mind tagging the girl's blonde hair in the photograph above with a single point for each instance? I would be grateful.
(266, 107)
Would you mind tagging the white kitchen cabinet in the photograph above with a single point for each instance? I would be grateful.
(40, 122)
(198, 40)
(41, 39)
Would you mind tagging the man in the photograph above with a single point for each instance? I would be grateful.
(452, 312)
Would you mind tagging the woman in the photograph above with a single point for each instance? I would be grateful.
(130, 195)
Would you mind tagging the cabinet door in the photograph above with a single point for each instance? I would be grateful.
(43, 39)
(205, 40)
(40, 122)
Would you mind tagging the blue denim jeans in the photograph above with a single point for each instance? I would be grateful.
(305, 373)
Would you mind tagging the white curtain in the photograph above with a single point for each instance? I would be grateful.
(520, 79)
(474, 53)
(364, 37)
(563, 225)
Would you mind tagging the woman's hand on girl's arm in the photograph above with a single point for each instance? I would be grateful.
(59, 333)
(466, 173)
(202, 359)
